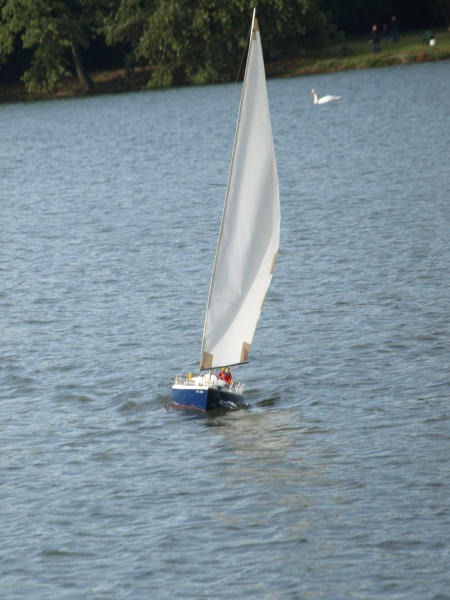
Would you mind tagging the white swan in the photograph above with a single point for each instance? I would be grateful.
(324, 99)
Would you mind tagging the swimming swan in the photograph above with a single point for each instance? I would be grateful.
(324, 99)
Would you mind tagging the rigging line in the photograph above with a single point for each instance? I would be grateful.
(243, 54)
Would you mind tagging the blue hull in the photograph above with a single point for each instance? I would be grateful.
(204, 398)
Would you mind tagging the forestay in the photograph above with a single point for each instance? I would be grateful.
(250, 228)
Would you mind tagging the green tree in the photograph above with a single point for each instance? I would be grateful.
(182, 41)
(187, 42)
(54, 31)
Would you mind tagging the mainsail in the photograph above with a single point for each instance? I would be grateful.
(250, 229)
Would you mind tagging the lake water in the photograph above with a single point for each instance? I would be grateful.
(335, 483)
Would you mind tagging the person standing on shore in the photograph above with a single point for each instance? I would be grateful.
(374, 38)
(394, 28)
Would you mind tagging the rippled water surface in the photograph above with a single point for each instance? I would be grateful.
(335, 483)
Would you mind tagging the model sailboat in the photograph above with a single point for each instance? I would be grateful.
(247, 247)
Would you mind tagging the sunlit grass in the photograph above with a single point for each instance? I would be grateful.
(357, 53)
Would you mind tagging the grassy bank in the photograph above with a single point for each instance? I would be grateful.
(348, 54)
(357, 53)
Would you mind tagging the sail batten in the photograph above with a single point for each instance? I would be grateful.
(249, 234)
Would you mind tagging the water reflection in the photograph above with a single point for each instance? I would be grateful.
(263, 435)
(269, 469)
(268, 450)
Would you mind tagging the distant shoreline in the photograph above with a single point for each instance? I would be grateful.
(348, 54)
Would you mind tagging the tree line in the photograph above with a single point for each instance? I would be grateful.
(182, 41)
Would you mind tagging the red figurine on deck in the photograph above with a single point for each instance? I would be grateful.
(225, 375)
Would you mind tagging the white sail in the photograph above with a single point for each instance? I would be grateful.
(250, 229)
